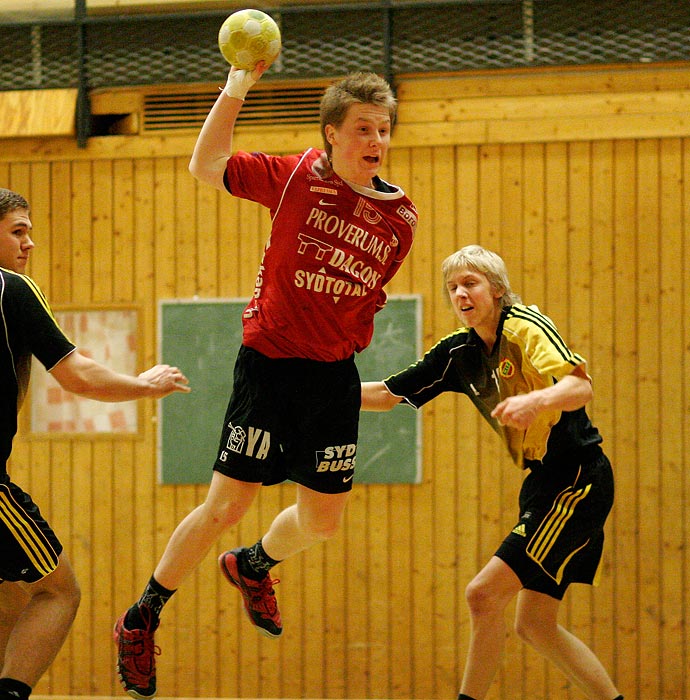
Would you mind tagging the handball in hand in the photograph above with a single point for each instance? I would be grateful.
(247, 37)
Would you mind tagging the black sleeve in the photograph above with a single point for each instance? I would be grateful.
(428, 377)
(35, 323)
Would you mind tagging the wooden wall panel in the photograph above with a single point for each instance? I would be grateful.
(594, 230)
(601, 359)
(683, 485)
(622, 445)
(671, 406)
(647, 378)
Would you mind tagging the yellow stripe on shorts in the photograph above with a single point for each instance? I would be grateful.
(548, 532)
(38, 550)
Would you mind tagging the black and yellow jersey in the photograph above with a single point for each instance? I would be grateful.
(529, 354)
(27, 327)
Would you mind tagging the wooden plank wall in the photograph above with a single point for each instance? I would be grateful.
(582, 182)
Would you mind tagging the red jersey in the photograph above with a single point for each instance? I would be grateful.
(332, 248)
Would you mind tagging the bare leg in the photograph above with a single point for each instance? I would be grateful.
(488, 595)
(226, 503)
(13, 600)
(536, 622)
(43, 625)
(315, 517)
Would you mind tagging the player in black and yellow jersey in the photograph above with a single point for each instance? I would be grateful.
(512, 363)
(39, 594)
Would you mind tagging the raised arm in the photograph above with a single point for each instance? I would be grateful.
(376, 397)
(82, 375)
(214, 144)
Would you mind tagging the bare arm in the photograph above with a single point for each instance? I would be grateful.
(214, 144)
(82, 375)
(569, 394)
(376, 397)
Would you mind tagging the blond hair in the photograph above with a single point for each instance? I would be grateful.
(488, 263)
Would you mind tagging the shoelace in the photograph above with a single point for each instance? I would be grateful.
(140, 649)
(262, 594)
(136, 646)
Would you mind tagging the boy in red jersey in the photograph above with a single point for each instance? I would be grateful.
(39, 593)
(339, 233)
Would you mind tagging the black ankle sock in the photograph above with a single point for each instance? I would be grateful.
(153, 598)
(254, 563)
(464, 697)
(11, 688)
(619, 697)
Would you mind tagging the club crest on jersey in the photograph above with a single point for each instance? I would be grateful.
(253, 442)
(336, 458)
(506, 369)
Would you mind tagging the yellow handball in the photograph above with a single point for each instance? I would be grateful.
(247, 37)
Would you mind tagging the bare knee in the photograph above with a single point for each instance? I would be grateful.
(318, 522)
(524, 630)
(318, 516)
(75, 594)
(68, 592)
(320, 531)
(72, 598)
(223, 515)
(223, 510)
(535, 630)
(536, 619)
(226, 503)
(60, 589)
(479, 599)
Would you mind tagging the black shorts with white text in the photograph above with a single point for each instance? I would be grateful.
(291, 419)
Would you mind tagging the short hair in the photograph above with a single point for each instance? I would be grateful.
(362, 88)
(488, 263)
(9, 201)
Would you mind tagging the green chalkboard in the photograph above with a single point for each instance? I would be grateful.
(202, 337)
(389, 447)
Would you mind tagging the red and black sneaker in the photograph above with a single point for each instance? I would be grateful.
(258, 596)
(136, 652)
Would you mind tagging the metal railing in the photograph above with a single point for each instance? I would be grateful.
(319, 41)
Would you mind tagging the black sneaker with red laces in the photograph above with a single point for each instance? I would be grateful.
(136, 656)
(258, 596)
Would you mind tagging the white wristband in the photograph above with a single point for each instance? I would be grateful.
(239, 82)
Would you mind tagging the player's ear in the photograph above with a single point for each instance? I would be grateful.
(329, 131)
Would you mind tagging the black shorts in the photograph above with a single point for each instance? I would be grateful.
(29, 549)
(559, 538)
(291, 419)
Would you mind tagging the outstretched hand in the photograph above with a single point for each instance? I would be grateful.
(164, 380)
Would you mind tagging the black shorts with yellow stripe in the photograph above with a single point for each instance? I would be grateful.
(559, 538)
(29, 549)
